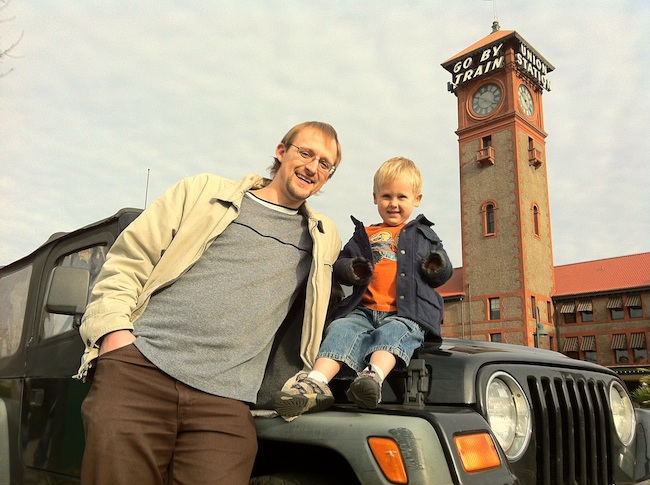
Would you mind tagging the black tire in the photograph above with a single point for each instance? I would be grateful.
(280, 479)
(291, 479)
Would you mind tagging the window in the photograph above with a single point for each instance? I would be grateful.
(536, 220)
(495, 337)
(495, 309)
(568, 311)
(489, 221)
(588, 348)
(615, 307)
(485, 155)
(638, 345)
(533, 307)
(549, 315)
(640, 356)
(569, 317)
(633, 304)
(91, 259)
(585, 309)
(489, 214)
(570, 347)
(534, 155)
(617, 313)
(587, 316)
(619, 346)
(621, 356)
(14, 288)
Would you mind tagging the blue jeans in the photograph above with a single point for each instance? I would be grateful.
(354, 338)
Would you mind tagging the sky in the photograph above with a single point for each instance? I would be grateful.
(105, 104)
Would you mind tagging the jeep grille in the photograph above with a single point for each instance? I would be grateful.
(571, 422)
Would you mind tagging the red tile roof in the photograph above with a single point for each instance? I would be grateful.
(611, 274)
(454, 286)
(503, 35)
(493, 37)
(602, 275)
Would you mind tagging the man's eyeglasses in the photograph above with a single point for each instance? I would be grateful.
(323, 165)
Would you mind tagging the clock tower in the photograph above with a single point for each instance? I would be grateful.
(507, 252)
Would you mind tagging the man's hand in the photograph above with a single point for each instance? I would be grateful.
(115, 340)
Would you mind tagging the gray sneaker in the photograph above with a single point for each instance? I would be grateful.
(305, 396)
(365, 390)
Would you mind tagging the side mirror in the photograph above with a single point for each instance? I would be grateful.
(68, 291)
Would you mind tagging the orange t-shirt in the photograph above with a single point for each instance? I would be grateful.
(381, 293)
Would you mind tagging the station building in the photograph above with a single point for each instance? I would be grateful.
(508, 289)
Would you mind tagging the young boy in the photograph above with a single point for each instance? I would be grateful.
(394, 267)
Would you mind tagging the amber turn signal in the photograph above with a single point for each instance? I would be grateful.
(477, 452)
(389, 458)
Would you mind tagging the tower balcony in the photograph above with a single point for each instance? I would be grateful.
(485, 156)
(535, 157)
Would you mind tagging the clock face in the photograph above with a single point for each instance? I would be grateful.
(486, 99)
(525, 100)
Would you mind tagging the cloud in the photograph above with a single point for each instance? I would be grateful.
(108, 92)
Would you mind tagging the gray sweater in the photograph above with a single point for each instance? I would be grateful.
(213, 328)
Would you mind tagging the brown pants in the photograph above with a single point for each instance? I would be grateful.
(141, 424)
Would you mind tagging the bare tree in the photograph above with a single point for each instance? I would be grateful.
(6, 52)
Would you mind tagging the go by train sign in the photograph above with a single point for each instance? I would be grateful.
(490, 54)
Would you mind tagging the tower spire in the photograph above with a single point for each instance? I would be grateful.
(495, 23)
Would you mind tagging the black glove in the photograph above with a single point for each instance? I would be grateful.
(433, 264)
(359, 271)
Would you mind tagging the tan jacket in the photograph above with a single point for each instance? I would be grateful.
(170, 236)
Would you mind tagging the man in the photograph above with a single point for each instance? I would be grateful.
(182, 318)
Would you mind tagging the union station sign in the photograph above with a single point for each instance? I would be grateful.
(492, 57)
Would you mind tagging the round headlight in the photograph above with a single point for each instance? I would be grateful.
(508, 413)
(622, 413)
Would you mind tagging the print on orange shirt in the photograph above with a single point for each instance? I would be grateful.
(381, 293)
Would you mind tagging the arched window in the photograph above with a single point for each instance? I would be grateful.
(535, 220)
(489, 219)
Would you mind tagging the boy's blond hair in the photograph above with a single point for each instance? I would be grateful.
(398, 168)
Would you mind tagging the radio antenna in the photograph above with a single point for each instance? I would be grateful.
(146, 190)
